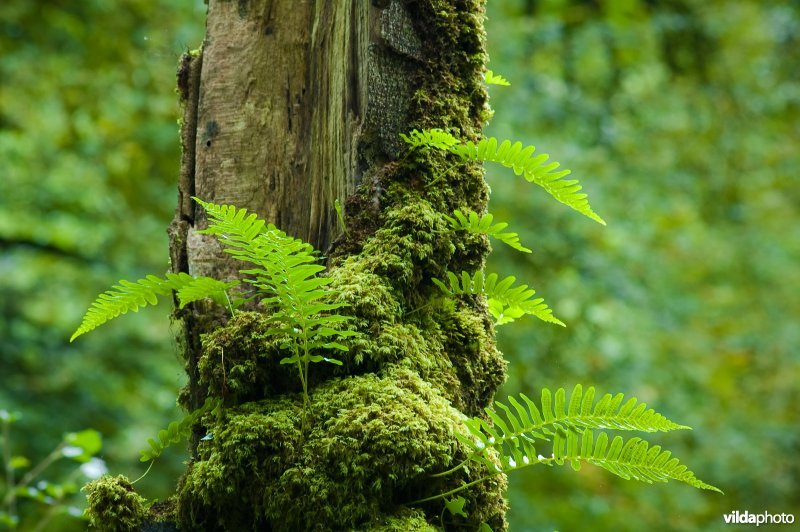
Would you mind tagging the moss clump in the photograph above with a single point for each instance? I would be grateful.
(413, 246)
(371, 444)
(240, 362)
(467, 337)
(405, 520)
(114, 506)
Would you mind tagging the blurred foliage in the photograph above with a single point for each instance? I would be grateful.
(681, 119)
(89, 152)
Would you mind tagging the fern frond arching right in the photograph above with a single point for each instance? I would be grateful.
(520, 159)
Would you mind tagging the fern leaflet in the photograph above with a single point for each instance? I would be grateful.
(473, 224)
(505, 303)
(176, 431)
(490, 78)
(127, 296)
(520, 159)
(207, 287)
(434, 138)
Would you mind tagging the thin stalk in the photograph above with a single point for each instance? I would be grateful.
(11, 495)
(452, 491)
(35, 472)
(451, 470)
(228, 303)
(153, 461)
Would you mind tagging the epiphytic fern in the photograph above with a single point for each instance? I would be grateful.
(490, 78)
(430, 138)
(206, 287)
(506, 303)
(129, 296)
(519, 158)
(176, 431)
(286, 275)
(472, 223)
(508, 440)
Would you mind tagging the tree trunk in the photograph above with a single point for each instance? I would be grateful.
(287, 107)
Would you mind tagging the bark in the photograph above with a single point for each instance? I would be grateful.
(289, 106)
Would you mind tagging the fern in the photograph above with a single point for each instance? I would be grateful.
(127, 296)
(207, 287)
(520, 159)
(433, 138)
(473, 224)
(286, 275)
(514, 431)
(176, 431)
(507, 441)
(490, 78)
(505, 303)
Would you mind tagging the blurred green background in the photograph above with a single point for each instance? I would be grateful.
(89, 159)
(682, 120)
(680, 117)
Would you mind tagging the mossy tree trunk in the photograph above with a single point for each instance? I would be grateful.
(288, 106)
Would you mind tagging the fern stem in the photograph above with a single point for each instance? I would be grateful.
(228, 303)
(452, 491)
(153, 461)
(453, 469)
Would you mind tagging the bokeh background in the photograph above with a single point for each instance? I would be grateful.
(680, 117)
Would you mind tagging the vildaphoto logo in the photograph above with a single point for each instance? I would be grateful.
(764, 518)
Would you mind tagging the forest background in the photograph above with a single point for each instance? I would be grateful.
(682, 120)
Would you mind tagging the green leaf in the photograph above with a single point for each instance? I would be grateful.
(505, 303)
(128, 296)
(569, 425)
(456, 506)
(520, 159)
(474, 224)
(205, 287)
(81, 446)
(490, 78)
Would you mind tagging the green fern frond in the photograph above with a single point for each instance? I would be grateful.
(513, 432)
(129, 296)
(520, 159)
(490, 78)
(505, 303)
(430, 138)
(534, 168)
(176, 431)
(206, 287)
(474, 224)
(632, 459)
(287, 277)
(557, 415)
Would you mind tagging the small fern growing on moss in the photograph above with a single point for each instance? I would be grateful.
(506, 304)
(472, 223)
(176, 431)
(508, 440)
(490, 78)
(521, 160)
(284, 273)
(286, 276)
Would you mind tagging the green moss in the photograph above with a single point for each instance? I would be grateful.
(405, 520)
(467, 337)
(240, 362)
(113, 505)
(372, 443)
